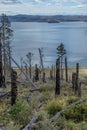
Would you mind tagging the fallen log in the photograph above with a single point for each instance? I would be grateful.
(30, 126)
(39, 106)
(33, 90)
(5, 94)
(34, 119)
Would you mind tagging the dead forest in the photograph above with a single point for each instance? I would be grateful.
(36, 97)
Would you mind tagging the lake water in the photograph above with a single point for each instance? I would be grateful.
(28, 37)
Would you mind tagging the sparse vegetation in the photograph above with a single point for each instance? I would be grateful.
(42, 101)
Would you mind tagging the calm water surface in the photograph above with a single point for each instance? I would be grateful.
(28, 37)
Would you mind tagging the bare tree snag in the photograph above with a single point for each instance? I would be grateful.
(41, 57)
(74, 81)
(57, 89)
(79, 90)
(36, 73)
(44, 80)
(77, 76)
(66, 69)
(29, 56)
(0, 62)
(13, 86)
(51, 76)
(54, 72)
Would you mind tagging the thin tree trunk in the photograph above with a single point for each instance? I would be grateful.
(66, 70)
(57, 89)
(1, 71)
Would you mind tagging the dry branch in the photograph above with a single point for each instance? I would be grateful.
(5, 94)
(30, 126)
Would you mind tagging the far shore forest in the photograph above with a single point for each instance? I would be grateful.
(39, 98)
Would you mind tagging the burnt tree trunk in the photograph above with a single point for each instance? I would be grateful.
(13, 86)
(57, 89)
(54, 72)
(77, 76)
(66, 69)
(44, 80)
(36, 73)
(79, 90)
(51, 75)
(0, 63)
(74, 81)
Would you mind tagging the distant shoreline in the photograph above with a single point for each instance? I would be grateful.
(48, 18)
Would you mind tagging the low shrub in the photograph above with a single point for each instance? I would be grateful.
(44, 96)
(47, 87)
(77, 112)
(53, 107)
(82, 127)
(20, 112)
(13, 127)
(72, 100)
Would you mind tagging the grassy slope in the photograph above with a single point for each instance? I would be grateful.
(47, 97)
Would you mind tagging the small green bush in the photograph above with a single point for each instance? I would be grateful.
(82, 127)
(13, 127)
(53, 107)
(44, 96)
(77, 112)
(20, 112)
(46, 87)
(72, 100)
(61, 121)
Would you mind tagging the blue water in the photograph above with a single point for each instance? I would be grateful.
(28, 37)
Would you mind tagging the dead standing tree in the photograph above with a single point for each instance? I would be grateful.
(36, 73)
(29, 57)
(13, 86)
(57, 89)
(75, 81)
(1, 71)
(66, 69)
(77, 76)
(26, 67)
(51, 73)
(41, 57)
(6, 34)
